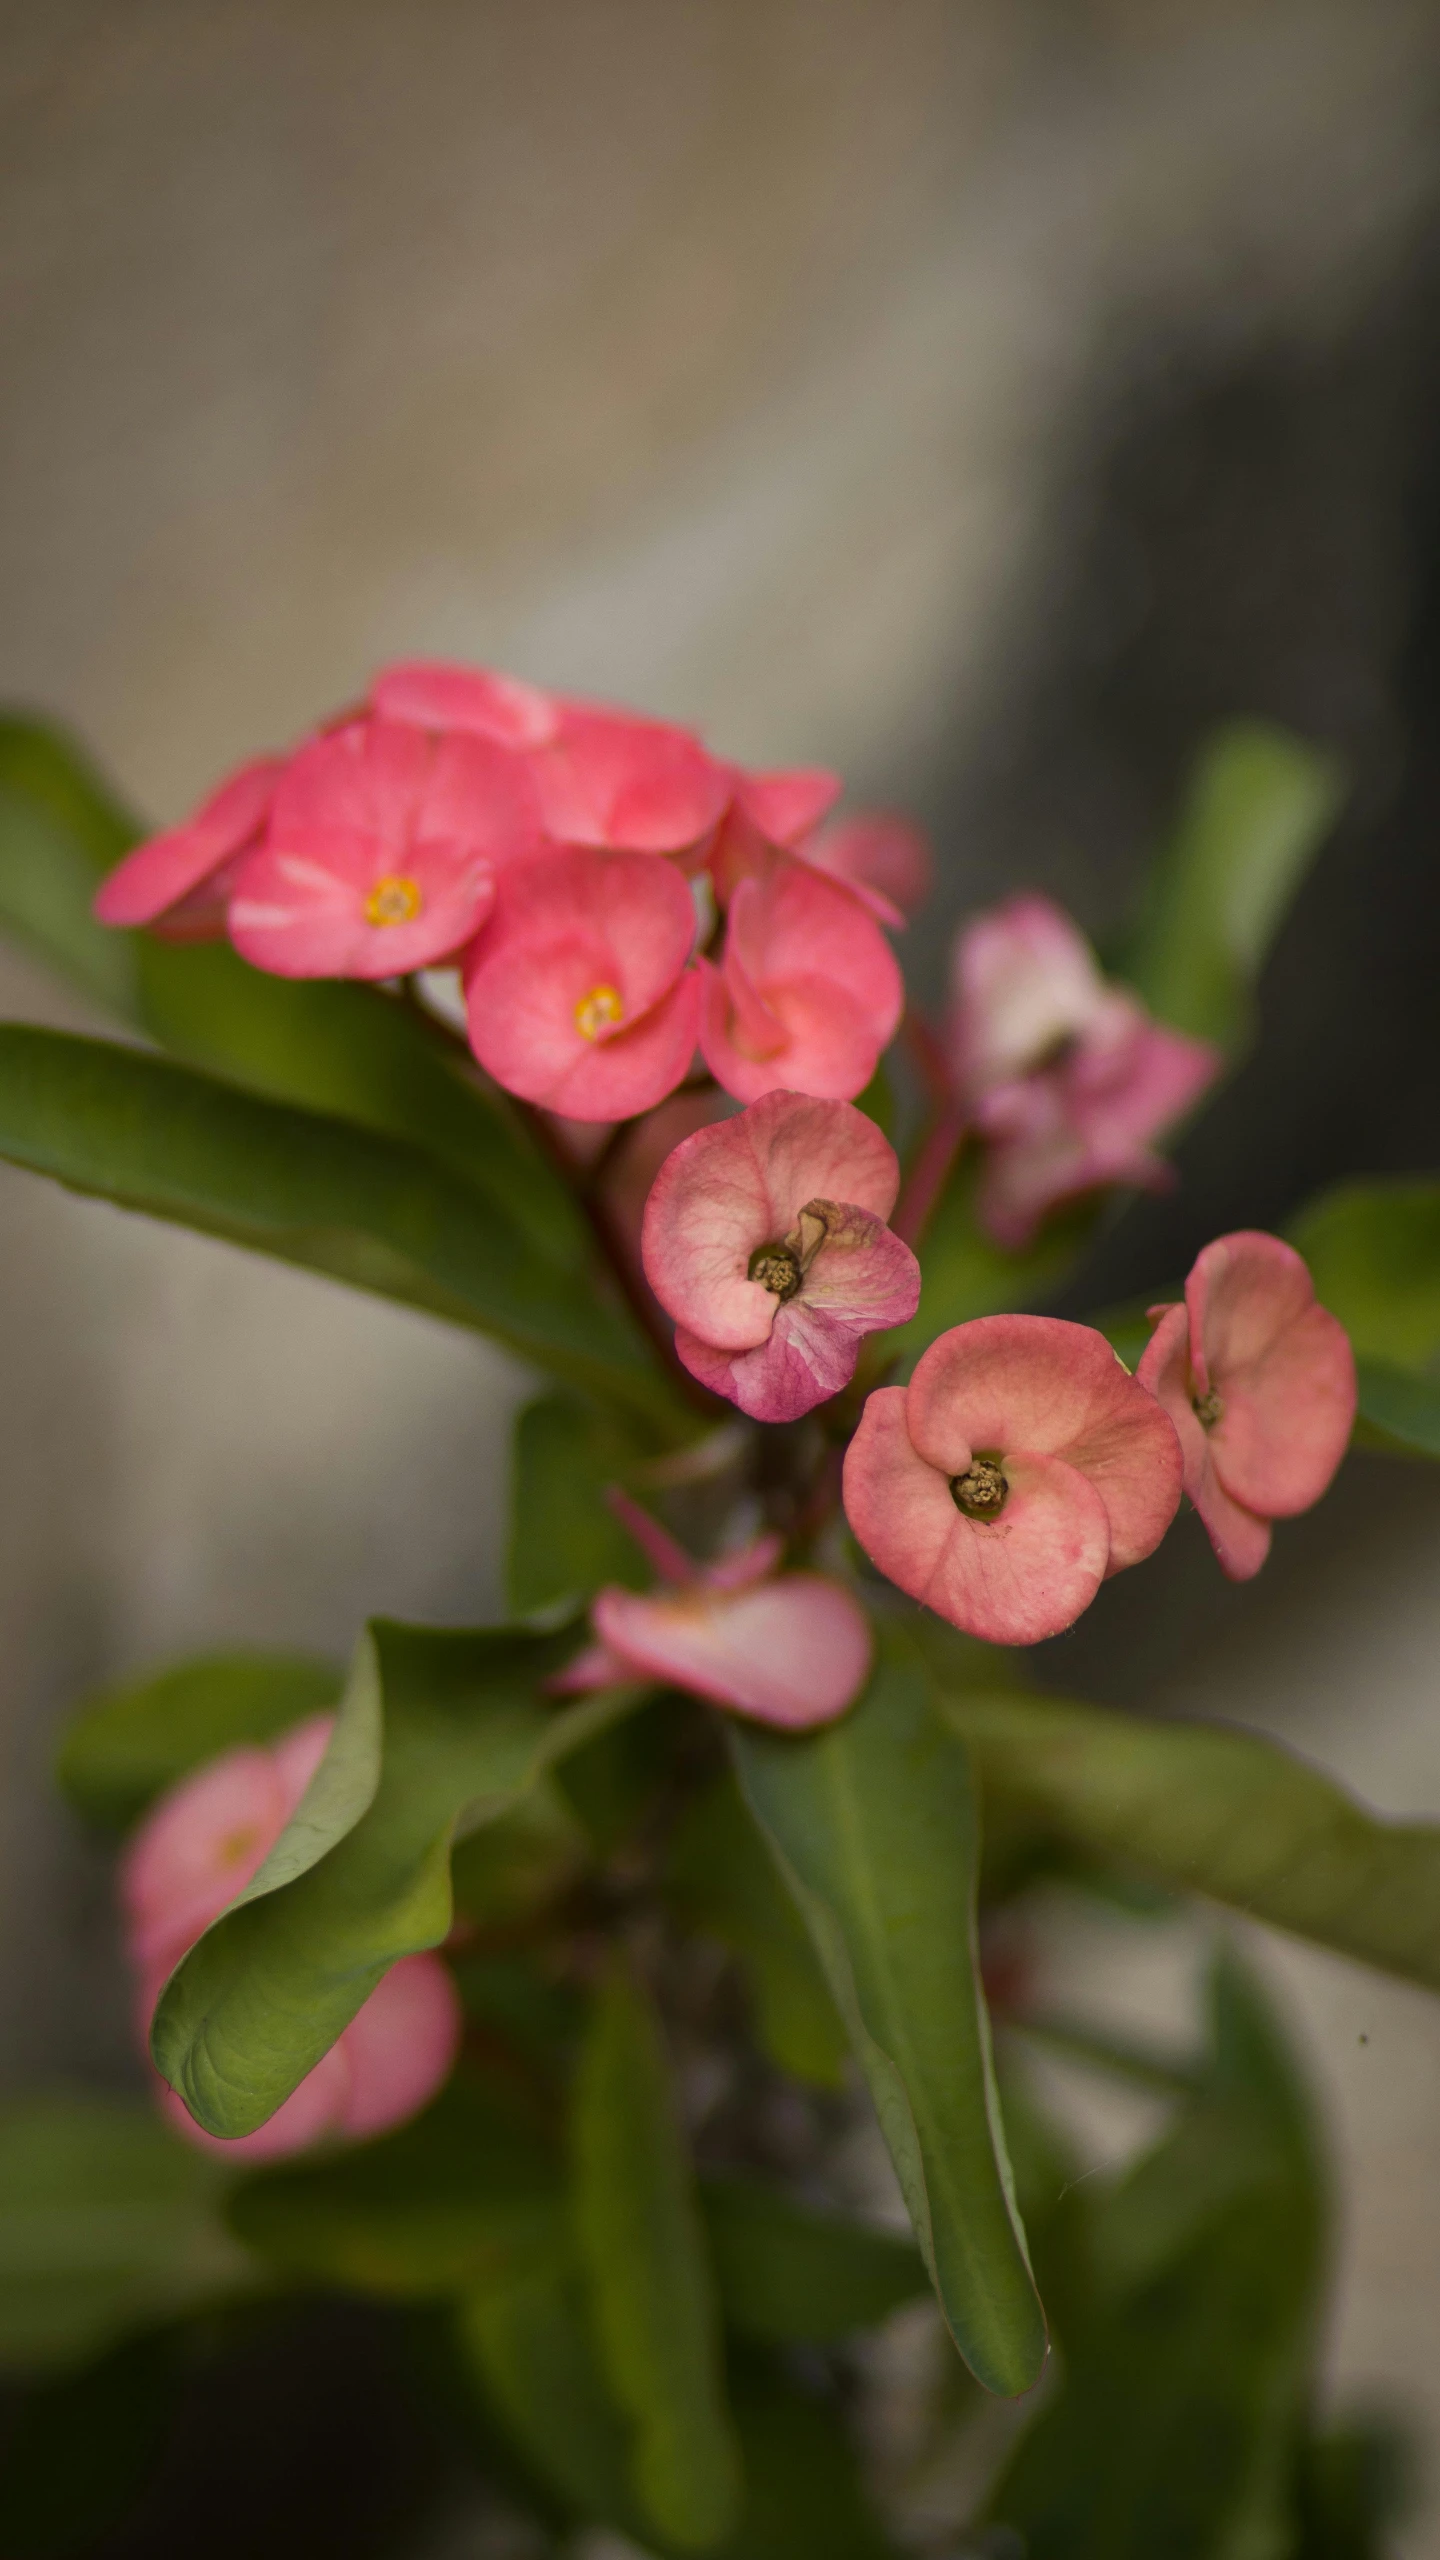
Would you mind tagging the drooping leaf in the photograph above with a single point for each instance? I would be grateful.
(60, 832)
(650, 2285)
(787, 2273)
(108, 2222)
(365, 1209)
(564, 1540)
(872, 1824)
(1220, 1812)
(79, 2447)
(126, 1746)
(1260, 803)
(438, 1732)
(726, 1883)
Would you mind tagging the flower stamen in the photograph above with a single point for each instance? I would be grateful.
(395, 899)
(777, 1269)
(980, 1493)
(599, 1011)
(1208, 1409)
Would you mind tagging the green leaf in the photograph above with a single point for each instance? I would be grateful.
(60, 832)
(438, 1732)
(1259, 805)
(1219, 1812)
(872, 1824)
(529, 2343)
(1374, 1254)
(126, 1746)
(108, 2222)
(564, 1540)
(651, 2292)
(1399, 1411)
(320, 1193)
(516, 1866)
(805, 2495)
(963, 1274)
(789, 2274)
(726, 1883)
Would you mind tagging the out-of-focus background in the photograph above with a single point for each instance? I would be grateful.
(982, 395)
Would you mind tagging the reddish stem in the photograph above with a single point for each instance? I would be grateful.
(929, 1172)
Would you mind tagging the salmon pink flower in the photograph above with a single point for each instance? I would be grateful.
(435, 695)
(765, 1238)
(195, 1851)
(578, 993)
(626, 785)
(1020, 1467)
(1064, 1074)
(1259, 1382)
(808, 992)
(790, 1649)
(381, 853)
(179, 881)
(785, 807)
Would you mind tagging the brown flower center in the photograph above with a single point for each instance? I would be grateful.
(1208, 1409)
(980, 1493)
(777, 1269)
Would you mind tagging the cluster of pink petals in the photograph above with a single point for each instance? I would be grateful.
(788, 1649)
(545, 846)
(765, 1238)
(1020, 1467)
(1064, 1075)
(199, 1848)
(1258, 1380)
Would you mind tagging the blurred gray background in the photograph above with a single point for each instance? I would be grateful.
(982, 395)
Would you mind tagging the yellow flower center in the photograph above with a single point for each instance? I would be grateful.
(393, 900)
(597, 1011)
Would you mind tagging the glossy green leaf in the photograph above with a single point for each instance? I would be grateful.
(126, 1746)
(964, 1274)
(1219, 1812)
(564, 1540)
(437, 1733)
(107, 2222)
(1260, 803)
(726, 1883)
(320, 1193)
(60, 832)
(871, 1821)
(789, 2274)
(651, 2289)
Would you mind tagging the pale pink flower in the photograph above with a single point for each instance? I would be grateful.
(1064, 1074)
(179, 881)
(885, 856)
(1020, 1467)
(808, 992)
(1259, 1382)
(790, 1649)
(765, 1239)
(435, 695)
(578, 993)
(196, 1850)
(382, 852)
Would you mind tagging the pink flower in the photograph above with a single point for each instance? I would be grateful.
(178, 881)
(808, 992)
(881, 854)
(437, 696)
(199, 1848)
(610, 780)
(1259, 1382)
(1020, 1467)
(784, 807)
(578, 993)
(765, 1239)
(1064, 1074)
(382, 852)
(791, 1649)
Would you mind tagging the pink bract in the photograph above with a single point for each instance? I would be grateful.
(382, 852)
(578, 993)
(610, 780)
(808, 992)
(765, 1238)
(784, 807)
(1258, 1380)
(878, 851)
(1019, 1468)
(435, 695)
(172, 880)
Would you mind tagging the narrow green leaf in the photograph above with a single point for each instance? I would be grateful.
(564, 1540)
(529, 2342)
(1219, 1812)
(651, 2290)
(726, 1883)
(789, 2274)
(872, 1824)
(806, 2497)
(126, 1746)
(60, 832)
(1260, 803)
(437, 1733)
(316, 1192)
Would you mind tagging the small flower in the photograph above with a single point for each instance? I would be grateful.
(1065, 1075)
(197, 1849)
(790, 1649)
(765, 1238)
(1259, 1382)
(808, 992)
(382, 852)
(179, 881)
(1020, 1467)
(434, 695)
(578, 992)
(610, 780)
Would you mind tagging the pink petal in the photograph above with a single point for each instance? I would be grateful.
(593, 1667)
(809, 1355)
(195, 1850)
(1013, 1580)
(785, 806)
(167, 868)
(636, 786)
(1283, 1369)
(1023, 979)
(878, 850)
(400, 2047)
(304, 914)
(826, 977)
(434, 695)
(792, 1652)
(739, 1567)
(1240, 1540)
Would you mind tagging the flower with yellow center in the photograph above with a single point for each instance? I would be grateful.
(395, 899)
(598, 1011)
